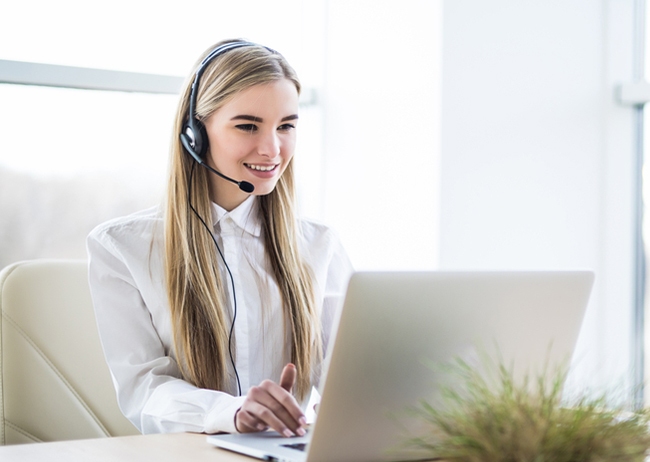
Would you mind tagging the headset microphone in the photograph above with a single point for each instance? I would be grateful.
(194, 136)
(187, 144)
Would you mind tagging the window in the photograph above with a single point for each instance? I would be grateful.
(71, 159)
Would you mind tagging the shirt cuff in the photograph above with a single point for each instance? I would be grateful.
(221, 418)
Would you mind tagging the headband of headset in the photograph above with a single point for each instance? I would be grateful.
(193, 136)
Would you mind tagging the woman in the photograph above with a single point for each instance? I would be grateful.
(215, 309)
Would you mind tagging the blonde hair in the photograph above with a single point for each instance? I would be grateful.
(194, 287)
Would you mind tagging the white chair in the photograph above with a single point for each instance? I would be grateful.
(54, 381)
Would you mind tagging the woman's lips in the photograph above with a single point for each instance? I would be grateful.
(261, 168)
(263, 171)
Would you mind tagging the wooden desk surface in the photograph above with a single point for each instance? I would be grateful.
(155, 448)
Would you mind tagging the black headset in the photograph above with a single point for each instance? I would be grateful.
(194, 136)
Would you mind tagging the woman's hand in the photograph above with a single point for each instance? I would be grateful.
(272, 405)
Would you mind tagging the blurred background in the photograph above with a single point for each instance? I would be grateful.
(454, 135)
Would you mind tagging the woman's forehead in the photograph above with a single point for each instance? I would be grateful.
(273, 99)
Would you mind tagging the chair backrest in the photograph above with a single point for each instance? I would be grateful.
(54, 381)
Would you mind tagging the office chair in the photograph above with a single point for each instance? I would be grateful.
(54, 381)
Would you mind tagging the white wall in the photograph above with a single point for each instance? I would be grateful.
(382, 130)
(514, 156)
(537, 157)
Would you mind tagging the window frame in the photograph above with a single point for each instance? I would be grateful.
(52, 75)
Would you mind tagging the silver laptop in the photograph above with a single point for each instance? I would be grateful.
(396, 326)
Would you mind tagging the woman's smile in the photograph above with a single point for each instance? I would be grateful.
(262, 168)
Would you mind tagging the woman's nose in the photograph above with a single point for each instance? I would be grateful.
(269, 145)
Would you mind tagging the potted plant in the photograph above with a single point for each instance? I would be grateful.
(495, 418)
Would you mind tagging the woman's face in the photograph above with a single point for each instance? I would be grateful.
(252, 138)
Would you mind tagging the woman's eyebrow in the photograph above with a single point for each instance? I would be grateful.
(260, 120)
(248, 117)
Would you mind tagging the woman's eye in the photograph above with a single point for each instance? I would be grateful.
(247, 127)
(286, 127)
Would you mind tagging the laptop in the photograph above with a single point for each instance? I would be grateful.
(394, 328)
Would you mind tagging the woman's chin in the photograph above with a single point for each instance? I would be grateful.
(264, 188)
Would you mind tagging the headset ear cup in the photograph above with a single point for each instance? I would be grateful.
(194, 138)
(201, 139)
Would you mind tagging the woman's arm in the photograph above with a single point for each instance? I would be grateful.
(147, 378)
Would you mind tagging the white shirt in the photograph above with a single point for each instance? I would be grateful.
(127, 285)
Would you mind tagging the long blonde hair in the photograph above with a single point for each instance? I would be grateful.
(195, 289)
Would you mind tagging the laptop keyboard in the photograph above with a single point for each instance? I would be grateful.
(296, 446)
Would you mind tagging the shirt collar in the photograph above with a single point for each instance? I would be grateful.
(244, 215)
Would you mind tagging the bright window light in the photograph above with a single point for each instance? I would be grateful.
(161, 37)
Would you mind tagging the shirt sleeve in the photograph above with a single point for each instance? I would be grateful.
(147, 380)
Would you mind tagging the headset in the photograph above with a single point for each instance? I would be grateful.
(194, 136)
(194, 139)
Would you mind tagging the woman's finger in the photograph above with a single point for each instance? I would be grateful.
(272, 405)
(284, 405)
(268, 418)
(288, 377)
(245, 422)
(275, 407)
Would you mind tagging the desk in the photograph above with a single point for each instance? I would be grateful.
(156, 448)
